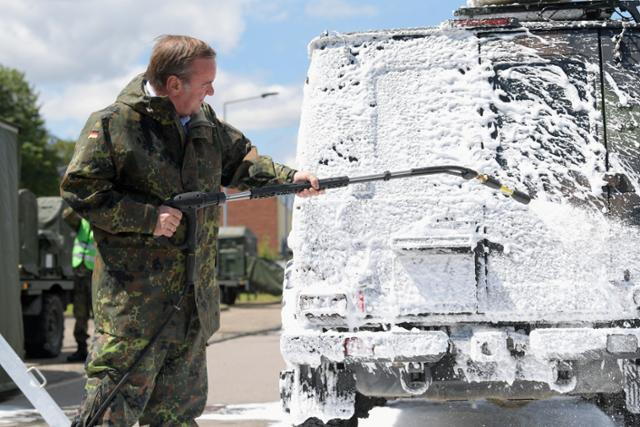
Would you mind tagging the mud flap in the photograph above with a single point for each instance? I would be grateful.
(286, 385)
(326, 392)
(631, 385)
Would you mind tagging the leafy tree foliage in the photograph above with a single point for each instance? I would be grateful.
(266, 251)
(19, 107)
(64, 150)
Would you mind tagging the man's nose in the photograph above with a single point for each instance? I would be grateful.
(210, 90)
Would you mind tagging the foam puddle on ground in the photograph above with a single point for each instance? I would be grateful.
(253, 411)
(560, 412)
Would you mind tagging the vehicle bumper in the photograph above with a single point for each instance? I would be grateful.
(312, 348)
(547, 361)
(484, 345)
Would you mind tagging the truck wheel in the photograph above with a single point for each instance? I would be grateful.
(229, 295)
(614, 406)
(362, 407)
(315, 422)
(364, 404)
(44, 332)
(631, 420)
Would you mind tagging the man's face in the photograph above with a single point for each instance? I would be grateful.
(189, 96)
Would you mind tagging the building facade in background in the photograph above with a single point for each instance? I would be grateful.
(269, 219)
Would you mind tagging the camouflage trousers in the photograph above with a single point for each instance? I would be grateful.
(169, 386)
(81, 306)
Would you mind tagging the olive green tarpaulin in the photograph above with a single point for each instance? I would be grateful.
(265, 276)
(10, 310)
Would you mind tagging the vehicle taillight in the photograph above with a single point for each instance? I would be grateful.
(361, 302)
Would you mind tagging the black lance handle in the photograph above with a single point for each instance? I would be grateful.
(296, 187)
(196, 200)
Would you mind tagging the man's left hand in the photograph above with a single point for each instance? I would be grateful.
(302, 176)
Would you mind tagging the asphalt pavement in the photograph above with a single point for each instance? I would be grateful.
(243, 363)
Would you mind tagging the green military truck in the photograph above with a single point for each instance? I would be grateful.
(36, 273)
(240, 269)
(46, 275)
(235, 246)
(10, 313)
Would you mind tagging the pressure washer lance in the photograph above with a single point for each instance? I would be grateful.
(199, 199)
(190, 202)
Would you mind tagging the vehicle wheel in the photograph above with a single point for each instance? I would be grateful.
(614, 406)
(44, 333)
(315, 422)
(631, 420)
(229, 295)
(364, 404)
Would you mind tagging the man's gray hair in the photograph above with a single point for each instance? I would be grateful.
(174, 55)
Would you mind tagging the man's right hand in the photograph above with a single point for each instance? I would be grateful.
(168, 221)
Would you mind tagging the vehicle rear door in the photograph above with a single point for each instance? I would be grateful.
(546, 120)
(621, 94)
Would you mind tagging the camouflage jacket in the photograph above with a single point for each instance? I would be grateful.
(131, 157)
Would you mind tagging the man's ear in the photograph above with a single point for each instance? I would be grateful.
(174, 85)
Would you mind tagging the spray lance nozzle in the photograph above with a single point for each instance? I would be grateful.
(491, 182)
(470, 174)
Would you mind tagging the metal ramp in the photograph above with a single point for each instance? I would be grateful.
(31, 382)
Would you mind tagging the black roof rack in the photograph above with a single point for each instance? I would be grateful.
(541, 10)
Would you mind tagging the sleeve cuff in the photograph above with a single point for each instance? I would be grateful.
(150, 218)
(290, 175)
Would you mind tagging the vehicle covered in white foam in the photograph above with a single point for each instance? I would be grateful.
(439, 288)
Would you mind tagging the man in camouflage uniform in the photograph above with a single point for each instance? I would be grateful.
(157, 140)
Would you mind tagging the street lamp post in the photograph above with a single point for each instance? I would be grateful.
(224, 118)
(250, 98)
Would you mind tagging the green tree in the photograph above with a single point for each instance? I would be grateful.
(64, 150)
(19, 107)
(265, 251)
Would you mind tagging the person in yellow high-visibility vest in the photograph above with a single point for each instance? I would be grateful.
(83, 258)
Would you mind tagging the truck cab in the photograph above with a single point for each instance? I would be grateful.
(436, 289)
(46, 274)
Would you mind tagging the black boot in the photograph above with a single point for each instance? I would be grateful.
(79, 356)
